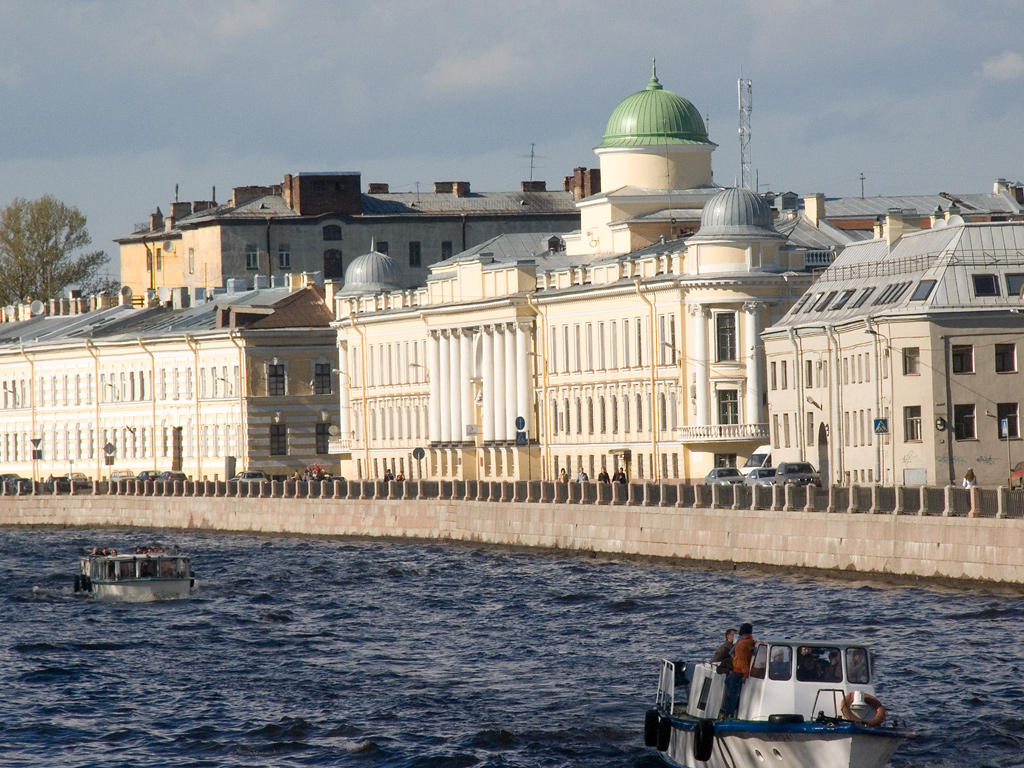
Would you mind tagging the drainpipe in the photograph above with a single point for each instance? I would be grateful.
(32, 403)
(362, 376)
(242, 388)
(195, 384)
(270, 261)
(91, 347)
(542, 344)
(879, 439)
(152, 393)
(655, 422)
(836, 413)
(950, 429)
(801, 414)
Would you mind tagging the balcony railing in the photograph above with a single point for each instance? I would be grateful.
(704, 433)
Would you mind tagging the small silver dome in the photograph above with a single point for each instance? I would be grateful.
(373, 272)
(737, 213)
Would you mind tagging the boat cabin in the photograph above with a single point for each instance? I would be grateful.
(787, 677)
(135, 567)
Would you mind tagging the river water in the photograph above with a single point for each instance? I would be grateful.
(320, 652)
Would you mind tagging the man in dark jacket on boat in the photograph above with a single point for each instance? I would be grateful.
(723, 654)
(741, 655)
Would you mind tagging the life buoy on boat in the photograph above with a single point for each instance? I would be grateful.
(651, 720)
(703, 739)
(876, 719)
(664, 734)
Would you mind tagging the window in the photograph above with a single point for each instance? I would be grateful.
(334, 265)
(278, 439)
(639, 413)
(864, 294)
(781, 665)
(820, 306)
(857, 666)
(415, 259)
(810, 428)
(1014, 284)
(819, 664)
(725, 336)
(963, 422)
(275, 379)
(785, 376)
(1007, 412)
(381, 246)
(759, 663)
(773, 377)
(284, 257)
(321, 378)
(1006, 358)
(159, 259)
(728, 406)
(191, 260)
(252, 257)
(923, 290)
(843, 299)
(963, 358)
(446, 249)
(332, 232)
(323, 437)
(985, 285)
(911, 361)
(912, 423)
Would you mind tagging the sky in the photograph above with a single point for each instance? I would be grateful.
(109, 105)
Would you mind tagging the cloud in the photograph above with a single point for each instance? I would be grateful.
(1008, 66)
(500, 66)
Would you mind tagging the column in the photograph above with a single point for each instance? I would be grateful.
(500, 404)
(700, 363)
(445, 390)
(344, 396)
(524, 401)
(455, 357)
(433, 362)
(755, 390)
(511, 380)
(488, 376)
(466, 379)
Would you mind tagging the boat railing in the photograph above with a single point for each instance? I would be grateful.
(828, 702)
(666, 686)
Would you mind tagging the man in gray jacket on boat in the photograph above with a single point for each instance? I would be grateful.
(723, 654)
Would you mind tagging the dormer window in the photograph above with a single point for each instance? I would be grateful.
(985, 285)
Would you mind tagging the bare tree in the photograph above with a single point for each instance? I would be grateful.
(40, 244)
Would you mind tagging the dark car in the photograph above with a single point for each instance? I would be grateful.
(761, 476)
(724, 476)
(148, 474)
(796, 473)
(15, 484)
(164, 477)
(64, 483)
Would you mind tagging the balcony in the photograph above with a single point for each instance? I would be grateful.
(339, 445)
(724, 433)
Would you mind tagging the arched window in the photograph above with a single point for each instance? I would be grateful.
(332, 232)
(334, 266)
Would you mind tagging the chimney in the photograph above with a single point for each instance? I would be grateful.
(936, 215)
(443, 187)
(462, 189)
(202, 205)
(286, 190)
(814, 207)
(894, 226)
(535, 186)
(879, 228)
(584, 182)
(156, 221)
(377, 188)
(180, 210)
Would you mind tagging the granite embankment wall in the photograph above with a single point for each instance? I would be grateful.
(916, 544)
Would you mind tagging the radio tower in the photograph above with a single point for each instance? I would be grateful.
(746, 102)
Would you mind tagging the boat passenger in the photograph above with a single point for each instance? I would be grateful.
(741, 656)
(857, 665)
(779, 669)
(723, 654)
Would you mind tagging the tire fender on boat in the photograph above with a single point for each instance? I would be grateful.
(651, 721)
(703, 739)
(664, 734)
(876, 719)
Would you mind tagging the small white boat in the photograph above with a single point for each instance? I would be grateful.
(806, 704)
(149, 573)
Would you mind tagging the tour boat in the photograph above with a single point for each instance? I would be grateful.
(806, 704)
(149, 573)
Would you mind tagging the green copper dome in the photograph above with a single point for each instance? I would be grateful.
(654, 116)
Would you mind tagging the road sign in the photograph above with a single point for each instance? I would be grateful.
(881, 426)
(1006, 427)
(110, 449)
(520, 438)
(520, 423)
(418, 453)
(36, 442)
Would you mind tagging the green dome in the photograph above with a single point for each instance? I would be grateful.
(654, 117)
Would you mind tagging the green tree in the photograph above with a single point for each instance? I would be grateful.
(40, 251)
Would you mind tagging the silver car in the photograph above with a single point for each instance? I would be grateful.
(724, 476)
(761, 476)
(796, 473)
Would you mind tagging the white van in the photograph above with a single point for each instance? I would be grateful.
(761, 457)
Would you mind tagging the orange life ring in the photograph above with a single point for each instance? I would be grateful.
(876, 719)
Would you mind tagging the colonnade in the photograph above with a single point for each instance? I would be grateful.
(751, 356)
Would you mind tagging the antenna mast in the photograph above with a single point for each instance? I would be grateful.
(745, 88)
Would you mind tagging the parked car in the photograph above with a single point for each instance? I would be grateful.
(760, 476)
(724, 476)
(147, 474)
(796, 473)
(121, 474)
(15, 484)
(761, 457)
(251, 476)
(1017, 475)
(163, 477)
(64, 483)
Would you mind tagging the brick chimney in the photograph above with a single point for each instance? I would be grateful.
(535, 186)
(584, 182)
(156, 221)
(377, 188)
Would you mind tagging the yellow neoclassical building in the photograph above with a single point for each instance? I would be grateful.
(632, 343)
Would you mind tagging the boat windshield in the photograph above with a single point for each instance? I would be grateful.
(819, 664)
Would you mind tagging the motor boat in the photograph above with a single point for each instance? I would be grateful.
(148, 574)
(806, 704)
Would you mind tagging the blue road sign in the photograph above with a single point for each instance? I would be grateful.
(520, 422)
(881, 426)
(520, 438)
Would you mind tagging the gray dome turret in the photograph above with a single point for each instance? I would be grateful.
(373, 272)
(737, 213)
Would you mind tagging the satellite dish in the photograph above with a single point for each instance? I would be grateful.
(164, 294)
(126, 292)
(168, 246)
(333, 430)
(37, 307)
